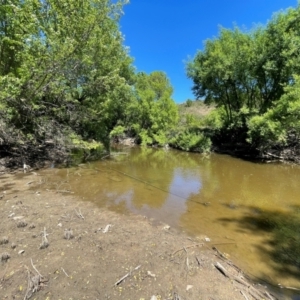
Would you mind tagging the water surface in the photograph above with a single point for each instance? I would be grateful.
(250, 211)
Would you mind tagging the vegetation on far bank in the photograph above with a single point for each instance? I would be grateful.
(253, 79)
(68, 82)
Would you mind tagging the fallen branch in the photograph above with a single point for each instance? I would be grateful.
(125, 276)
(222, 269)
(184, 248)
(273, 155)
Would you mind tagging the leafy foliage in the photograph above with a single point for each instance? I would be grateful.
(63, 72)
(252, 79)
(191, 140)
(152, 113)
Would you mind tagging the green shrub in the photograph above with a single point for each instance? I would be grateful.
(191, 141)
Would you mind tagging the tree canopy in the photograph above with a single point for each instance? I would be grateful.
(64, 72)
(252, 77)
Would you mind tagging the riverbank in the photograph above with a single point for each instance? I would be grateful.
(56, 246)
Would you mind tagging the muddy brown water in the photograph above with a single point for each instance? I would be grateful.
(249, 211)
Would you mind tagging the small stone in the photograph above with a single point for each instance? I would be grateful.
(5, 256)
(21, 224)
(21, 251)
(31, 226)
(59, 225)
(13, 246)
(68, 234)
(44, 244)
(188, 287)
(4, 240)
(166, 227)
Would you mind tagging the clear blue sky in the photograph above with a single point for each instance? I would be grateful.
(163, 34)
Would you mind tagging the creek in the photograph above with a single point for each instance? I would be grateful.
(249, 211)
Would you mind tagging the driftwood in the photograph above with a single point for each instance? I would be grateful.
(255, 293)
(125, 276)
(273, 155)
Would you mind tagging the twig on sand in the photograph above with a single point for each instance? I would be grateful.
(186, 247)
(187, 259)
(125, 276)
(198, 261)
(270, 297)
(244, 295)
(65, 272)
(79, 214)
(35, 268)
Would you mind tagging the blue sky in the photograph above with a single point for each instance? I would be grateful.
(163, 34)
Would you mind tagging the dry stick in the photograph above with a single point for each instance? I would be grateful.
(244, 295)
(242, 281)
(222, 269)
(187, 259)
(79, 214)
(36, 268)
(252, 291)
(125, 276)
(64, 191)
(220, 253)
(186, 247)
(270, 297)
(229, 262)
(65, 272)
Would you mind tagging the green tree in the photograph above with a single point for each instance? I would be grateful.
(153, 113)
(246, 74)
(63, 70)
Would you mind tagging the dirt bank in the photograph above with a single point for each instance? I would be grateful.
(54, 246)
